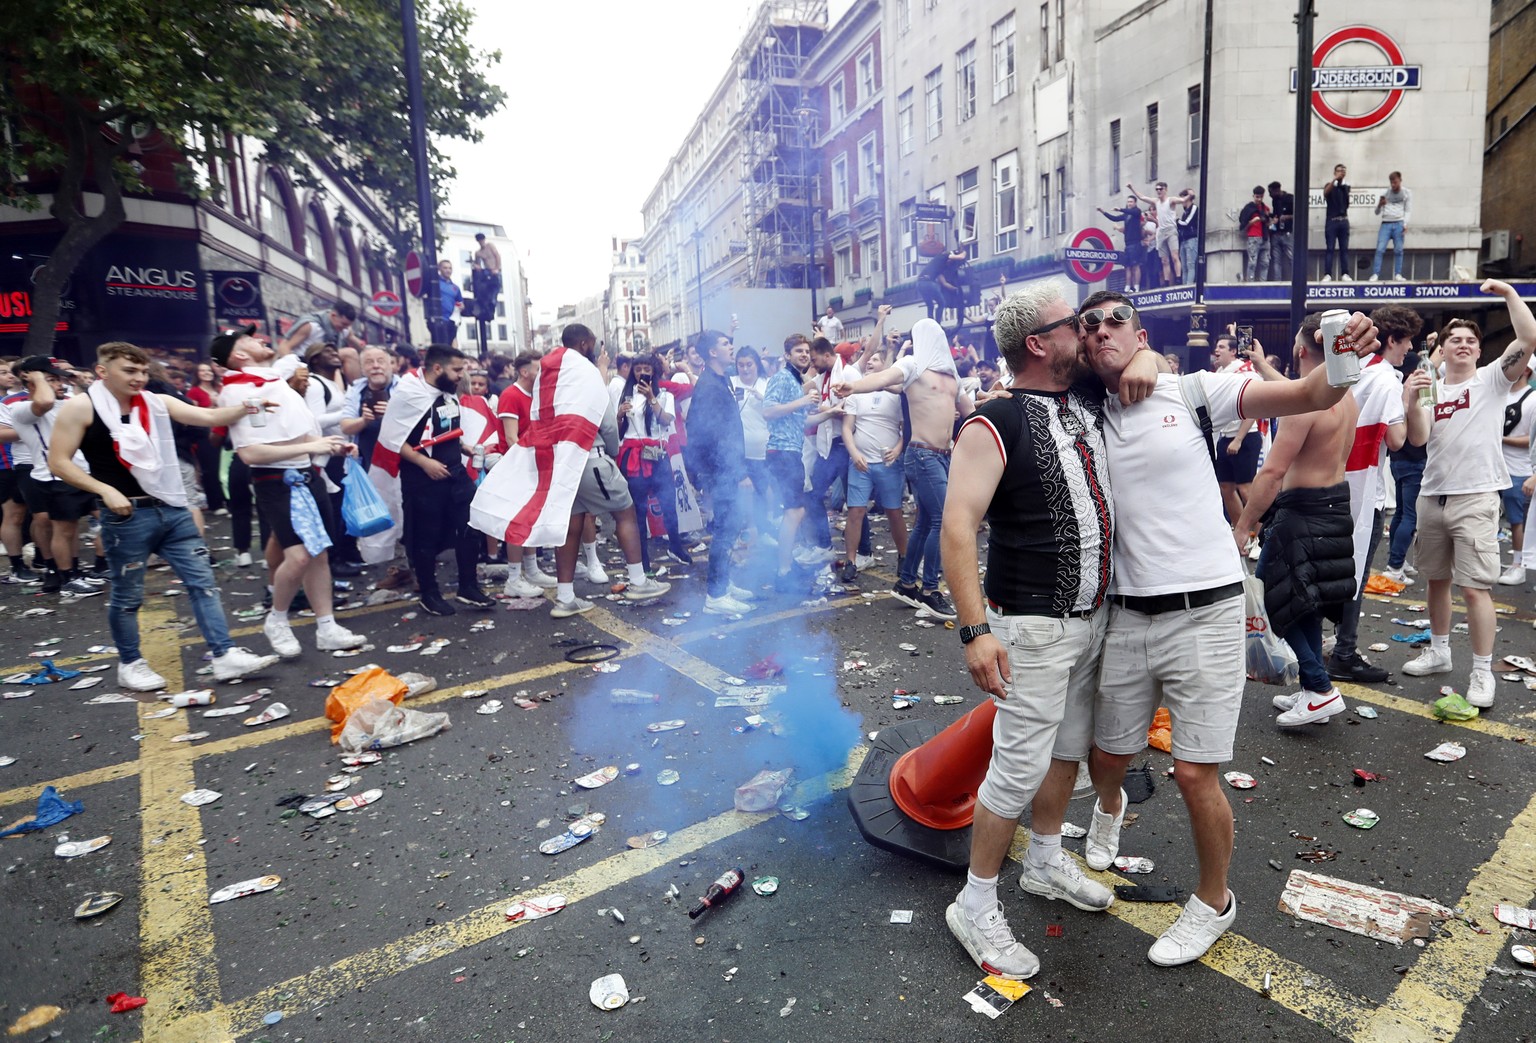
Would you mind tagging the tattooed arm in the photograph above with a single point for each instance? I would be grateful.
(1518, 355)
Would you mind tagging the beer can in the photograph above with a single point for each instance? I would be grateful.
(257, 406)
(1339, 359)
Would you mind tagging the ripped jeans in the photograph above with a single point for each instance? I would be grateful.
(171, 533)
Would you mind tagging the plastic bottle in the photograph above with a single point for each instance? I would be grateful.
(634, 697)
(727, 885)
(1427, 393)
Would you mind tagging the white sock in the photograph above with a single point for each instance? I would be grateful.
(636, 573)
(980, 894)
(325, 621)
(1043, 849)
(1482, 662)
(276, 616)
(514, 570)
(1440, 643)
(530, 561)
(565, 592)
(590, 550)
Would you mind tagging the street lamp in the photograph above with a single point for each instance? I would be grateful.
(805, 115)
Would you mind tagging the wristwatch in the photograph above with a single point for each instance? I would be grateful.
(969, 634)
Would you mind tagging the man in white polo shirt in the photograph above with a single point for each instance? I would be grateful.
(1458, 537)
(1176, 624)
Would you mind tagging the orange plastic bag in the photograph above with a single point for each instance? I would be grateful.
(1161, 732)
(1379, 584)
(374, 683)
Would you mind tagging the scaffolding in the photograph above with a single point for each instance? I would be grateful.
(779, 128)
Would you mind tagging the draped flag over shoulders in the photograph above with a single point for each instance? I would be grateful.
(526, 499)
(481, 428)
(408, 403)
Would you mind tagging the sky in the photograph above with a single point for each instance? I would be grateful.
(594, 111)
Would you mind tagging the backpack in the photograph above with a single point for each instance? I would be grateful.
(1193, 393)
(1512, 412)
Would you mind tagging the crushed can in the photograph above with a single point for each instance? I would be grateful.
(1339, 358)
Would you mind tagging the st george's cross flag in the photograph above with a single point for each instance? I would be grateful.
(482, 428)
(408, 403)
(526, 499)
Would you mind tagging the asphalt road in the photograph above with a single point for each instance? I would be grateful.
(390, 919)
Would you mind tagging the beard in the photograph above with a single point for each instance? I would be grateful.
(446, 384)
(1069, 368)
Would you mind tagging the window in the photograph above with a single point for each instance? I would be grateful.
(1061, 30)
(839, 102)
(869, 167)
(1115, 184)
(903, 15)
(1005, 201)
(968, 195)
(1152, 142)
(1194, 126)
(840, 183)
(1002, 58)
(1061, 199)
(965, 82)
(869, 254)
(911, 260)
(842, 264)
(866, 76)
(904, 122)
(1045, 36)
(274, 211)
(501, 331)
(348, 257)
(933, 103)
(315, 238)
(1045, 205)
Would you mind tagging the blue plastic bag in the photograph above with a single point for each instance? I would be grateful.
(362, 508)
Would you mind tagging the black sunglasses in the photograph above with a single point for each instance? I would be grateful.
(1119, 315)
(1070, 320)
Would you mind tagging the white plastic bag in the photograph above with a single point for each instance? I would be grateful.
(1270, 659)
(379, 724)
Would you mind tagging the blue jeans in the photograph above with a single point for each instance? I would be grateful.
(1187, 251)
(1346, 635)
(1306, 639)
(1391, 232)
(1409, 475)
(171, 533)
(724, 488)
(641, 489)
(824, 475)
(1336, 235)
(928, 474)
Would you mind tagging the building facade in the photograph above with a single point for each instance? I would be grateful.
(1509, 148)
(507, 333)
(627, 325)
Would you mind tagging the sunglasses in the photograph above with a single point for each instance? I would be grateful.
(1119, 315)
(1070, 320)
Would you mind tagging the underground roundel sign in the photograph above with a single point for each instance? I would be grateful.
(1383, 82)
(1090, 256)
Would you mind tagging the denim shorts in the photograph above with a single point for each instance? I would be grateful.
(886, 481)
(1515, 502)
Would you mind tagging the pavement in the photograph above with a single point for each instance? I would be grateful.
(391, 918)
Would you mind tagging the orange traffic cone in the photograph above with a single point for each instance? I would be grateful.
(936, 783)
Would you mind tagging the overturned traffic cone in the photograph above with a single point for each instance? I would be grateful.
(915, 793)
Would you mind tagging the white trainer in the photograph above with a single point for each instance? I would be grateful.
(650, 590)
(725, 605)
(863, 561)
(1398, 576)
(538, 577)
(139, 676)
(282, 639)
(519, 587)
(573, 607)
(240, 662)
(1286, 702)
(243, 559)
(736, 593)
(990, 942)
(1103, 842)
(1512, 576)
(1061, 878)
(1311, 707)
(1480, 690)
(591, 573)
(1195, 931)
(333, 637)
(1430, 661)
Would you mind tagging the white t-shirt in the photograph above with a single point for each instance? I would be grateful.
(1518, 458)
(290, 420)
(754, 428)
(36, 432)
(832, 329)
(615, 389)
(21, 456)
(1230, 430)
(328, 410)
(1171, 533)
(876, 423)
(638, 428)
(1465, 448)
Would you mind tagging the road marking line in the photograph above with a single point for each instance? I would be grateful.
(1431, 1000)
(67, 784)
(179, 966)
(1418, 708)
(303, 621)
(362, 970)
(748, 622)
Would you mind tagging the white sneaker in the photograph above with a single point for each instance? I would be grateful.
(591, 573)
(1195, 931)
(333, 637)
(282, 639)
(725, 605)
(243, 559)
(1062, 879)
(736, 593)
(650, 590)
(1409, 569)
(1346, 278)
(863, 561)
(1283, 703)
(1327, 277)
(1429, 662)
(1103, 842)
(240, 662)
(1398, 576)
(990, 942)
(1512, 576)
(815, 555)
(1316, 706)
(1375, 278)
(1480, 690)
(1254, 550)
(138, 676)
(573, 607)
(519, 587)
(538, 577)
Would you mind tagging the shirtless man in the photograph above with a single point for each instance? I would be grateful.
(932, 386)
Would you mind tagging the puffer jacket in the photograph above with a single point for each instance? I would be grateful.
(1311, 566)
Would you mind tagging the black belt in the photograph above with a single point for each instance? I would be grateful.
(275, 474)
(1157, 604)
(1086, 613)
(145, 502)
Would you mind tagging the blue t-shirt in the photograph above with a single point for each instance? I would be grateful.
(786, 432)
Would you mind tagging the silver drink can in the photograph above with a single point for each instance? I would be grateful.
(1340, 360)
